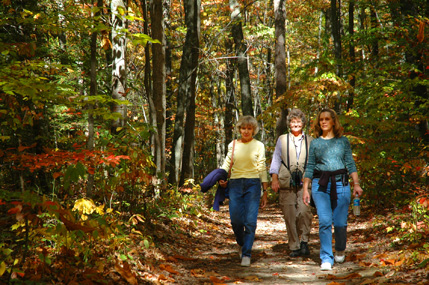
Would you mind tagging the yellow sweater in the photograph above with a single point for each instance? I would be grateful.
(249, 160)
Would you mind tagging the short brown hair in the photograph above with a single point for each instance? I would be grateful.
(338, 129)
(245, 121)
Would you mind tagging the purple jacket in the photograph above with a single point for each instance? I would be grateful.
(210, 180)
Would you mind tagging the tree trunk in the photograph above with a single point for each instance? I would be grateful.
(336, 35)
(92, 92)
(374, 46)
(280, 62)
(241, 52)
(351, 54)
(187, 83)
(415, 56)
(159, 89)
(230, 98)
(119, 68)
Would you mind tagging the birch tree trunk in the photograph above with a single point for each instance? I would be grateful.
(241, 51)
(119, 67)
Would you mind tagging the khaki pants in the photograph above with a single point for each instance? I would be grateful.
(297, 216)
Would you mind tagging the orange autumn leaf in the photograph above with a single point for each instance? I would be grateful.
(181, 257)
(334, 283)
(198, 273)
(168, 268)
(162, 277)
(15, 210)
(382, 255)
(388, 262)
(421, 34)
(215, 280)
(350, 276)
(399, 262)
(71, 226)
(171, 259)
(126, 273)
(57, 174)
(377, 274)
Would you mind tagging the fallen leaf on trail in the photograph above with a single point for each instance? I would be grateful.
(388, 261)
(162, 277)
(275, 274)
(211, 273)
(368, 239)
(168, 268)
(399, 262)
(252, 278)
(377, 274)
(335, 283)
(360, 256)
(367, 264)
(350, 276)
(172, 259)
(382, 255)
(198, 273)
(216, 280)
(125, 272)
(181, 257)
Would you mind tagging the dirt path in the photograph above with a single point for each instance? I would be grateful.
(210, 256)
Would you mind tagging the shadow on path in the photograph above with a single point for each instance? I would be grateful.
(214, 256)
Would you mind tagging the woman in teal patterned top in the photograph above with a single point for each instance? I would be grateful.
(330, 162)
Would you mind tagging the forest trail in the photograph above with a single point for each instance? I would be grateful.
(210, 256)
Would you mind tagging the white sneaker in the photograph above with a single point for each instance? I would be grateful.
(339, 256)
(245, 261)
(326, 266)
(240, 251)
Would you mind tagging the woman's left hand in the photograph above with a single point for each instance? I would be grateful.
(357, 190)
(264, 199)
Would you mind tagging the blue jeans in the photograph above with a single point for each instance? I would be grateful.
(330, 213)
(244, 199)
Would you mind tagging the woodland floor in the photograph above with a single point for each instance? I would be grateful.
(207, 254)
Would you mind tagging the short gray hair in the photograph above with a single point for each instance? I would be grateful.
(296, 114)
(245, 121)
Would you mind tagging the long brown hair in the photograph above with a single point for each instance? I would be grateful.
(338, 129)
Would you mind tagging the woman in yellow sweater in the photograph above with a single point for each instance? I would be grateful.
(247, 173)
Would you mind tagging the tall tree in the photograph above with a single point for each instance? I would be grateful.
(280, 62)
(352, 54)
(242, 59)
(119, 68)
(92, 92)
(187, 83)
(336, 36)
(158, 99)
(230, 96)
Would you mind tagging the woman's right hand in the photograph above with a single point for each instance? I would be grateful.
(305, 197)
(305, 194)
(223, 183)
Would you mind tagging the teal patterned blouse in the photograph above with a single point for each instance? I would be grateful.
(330, 155)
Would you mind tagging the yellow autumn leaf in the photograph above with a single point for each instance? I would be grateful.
(2, 268)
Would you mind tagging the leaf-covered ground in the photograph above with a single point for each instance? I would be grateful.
(204, 252)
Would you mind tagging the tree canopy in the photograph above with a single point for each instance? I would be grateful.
(138, 99)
